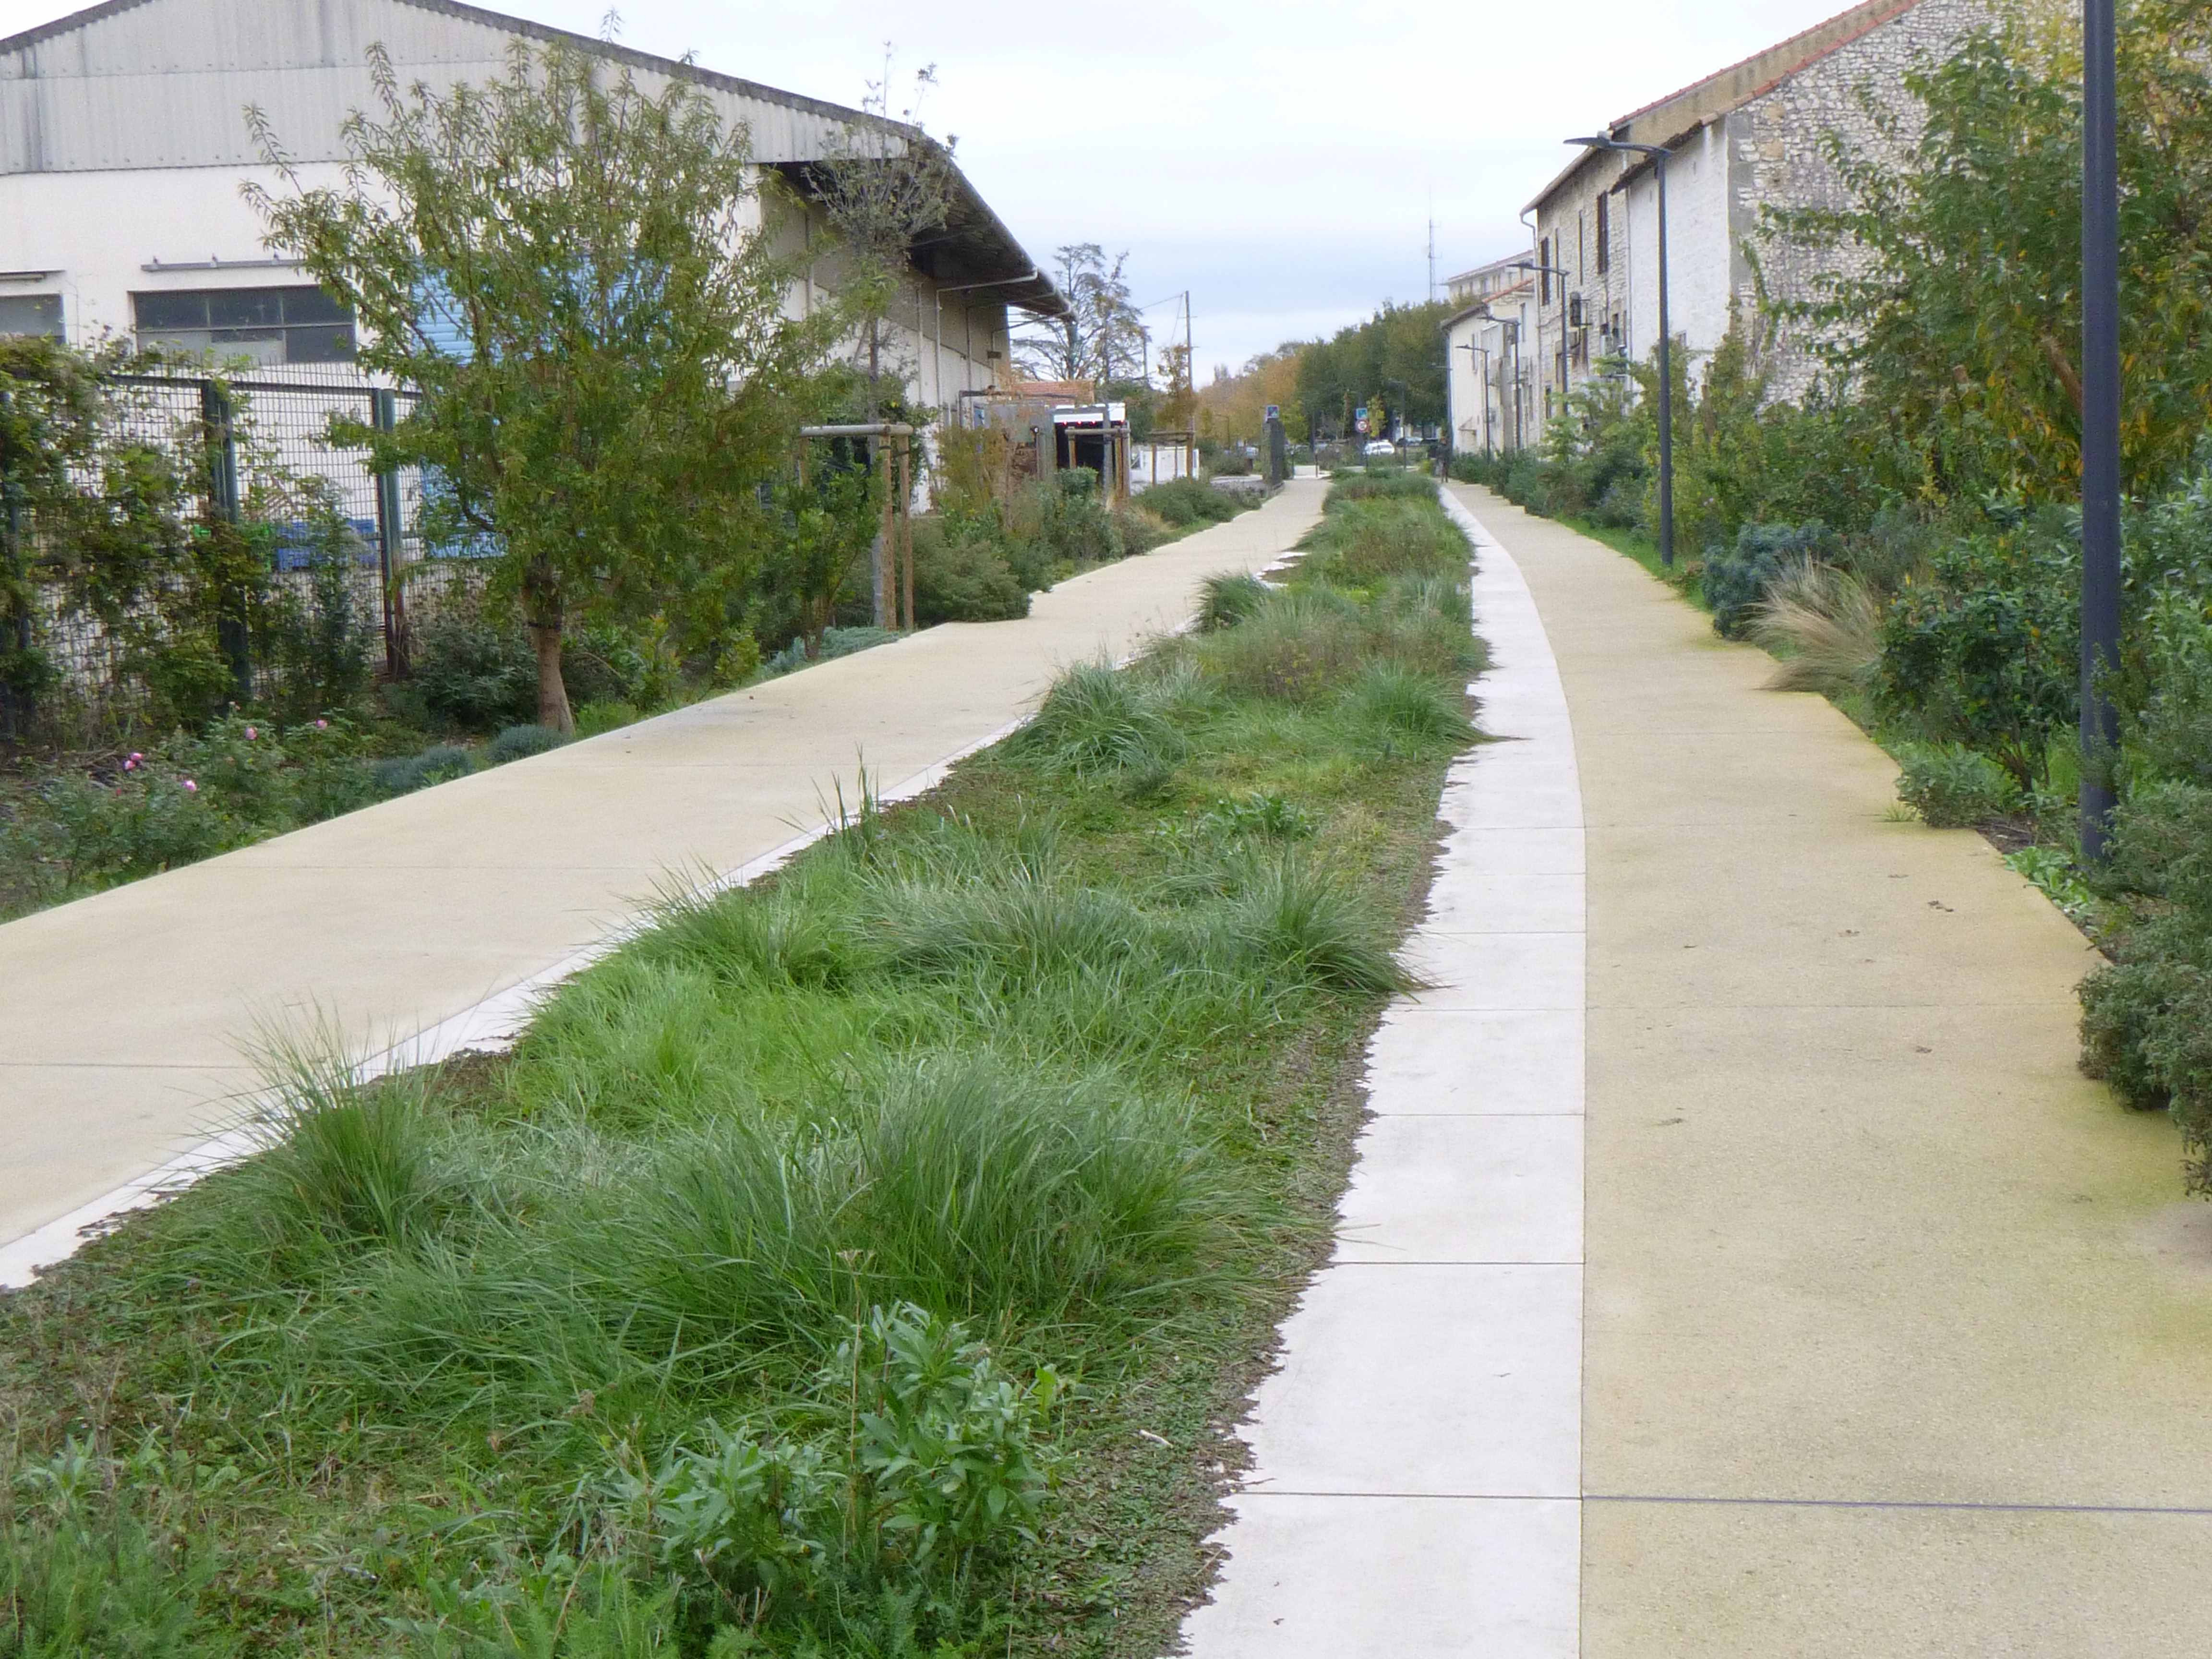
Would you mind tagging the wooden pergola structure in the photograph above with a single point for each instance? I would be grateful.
(890, 565)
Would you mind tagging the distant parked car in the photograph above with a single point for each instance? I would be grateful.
(1380, 446)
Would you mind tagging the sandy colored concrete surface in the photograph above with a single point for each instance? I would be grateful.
(1857, 1232)
(120, 1027)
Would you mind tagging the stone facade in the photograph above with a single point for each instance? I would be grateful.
(1776, 157)
(1489, 342)
(1739, 143)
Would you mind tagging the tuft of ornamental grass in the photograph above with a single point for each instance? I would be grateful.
(1224, 601)
(1403, 704)
(1303, 642)
(1095, 720)
(1825, 625)
(965, 1182)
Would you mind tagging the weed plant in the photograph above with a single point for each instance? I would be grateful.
(861, 1262)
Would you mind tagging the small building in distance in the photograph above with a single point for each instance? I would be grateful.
(1488, 378)
(1743, 140)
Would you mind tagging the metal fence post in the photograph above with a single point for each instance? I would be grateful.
(17, 703)
(231, 630)
(384, 415)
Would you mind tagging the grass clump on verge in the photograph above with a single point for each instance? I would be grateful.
(857, 1263)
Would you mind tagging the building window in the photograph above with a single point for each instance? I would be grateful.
(31, 313)
(1545, 261)
(268, 324)
(1604, 225)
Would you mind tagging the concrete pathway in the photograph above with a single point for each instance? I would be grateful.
(433, 919)
(1416, 1457)
(1896, 1336)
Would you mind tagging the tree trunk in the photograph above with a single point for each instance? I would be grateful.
(541, 614)
(552, 689)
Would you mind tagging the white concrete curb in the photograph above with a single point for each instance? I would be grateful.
(1417, 1458)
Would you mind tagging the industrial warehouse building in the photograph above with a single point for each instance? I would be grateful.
(123, 145)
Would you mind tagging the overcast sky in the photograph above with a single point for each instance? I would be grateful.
(1279, 160)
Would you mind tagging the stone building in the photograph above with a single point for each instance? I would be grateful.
(1740, 142)
(1489, 378)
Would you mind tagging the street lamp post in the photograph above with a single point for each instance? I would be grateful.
(2100, 418)
(1543, 270)
(1471, 348)
(1658, 155)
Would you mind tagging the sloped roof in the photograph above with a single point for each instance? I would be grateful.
(1666, 120)
(60, 90)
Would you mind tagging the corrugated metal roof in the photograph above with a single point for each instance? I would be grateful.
(137, 84)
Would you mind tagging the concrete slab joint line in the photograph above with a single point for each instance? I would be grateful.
(1416, 1457)
(120, 1030)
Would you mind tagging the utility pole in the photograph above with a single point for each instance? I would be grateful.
(2100, 418)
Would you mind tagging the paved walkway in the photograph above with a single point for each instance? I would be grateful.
(439, 913)
(1895, 1335)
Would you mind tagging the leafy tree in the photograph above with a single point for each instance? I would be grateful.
(1234, 409)
(1952, 300)
(1394, 360)
(884, 185)
(1102, 335)
(571, 272)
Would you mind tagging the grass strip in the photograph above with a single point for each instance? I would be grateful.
(867, 1262)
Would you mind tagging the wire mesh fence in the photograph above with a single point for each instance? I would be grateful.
(286, 462)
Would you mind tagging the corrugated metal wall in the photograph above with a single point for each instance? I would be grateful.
(166, 82)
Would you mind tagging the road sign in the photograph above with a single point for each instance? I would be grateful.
(1274, 412)
(1359, 415)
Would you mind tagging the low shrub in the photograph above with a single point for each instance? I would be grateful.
(440, 763)
(1737, 578)
(836, 642)
(962, 577)
(1953, 787)
(2147, 1029)
(470, 672)
(1186, 501)
(85, 832)
(1985, 651)
(516, 742)
(928, 1459)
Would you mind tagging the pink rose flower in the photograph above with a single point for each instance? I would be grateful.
(251, 734)
(322, 725)
(130, 765)
(191, 788)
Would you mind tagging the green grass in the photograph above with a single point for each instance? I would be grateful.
(1062, 1059)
